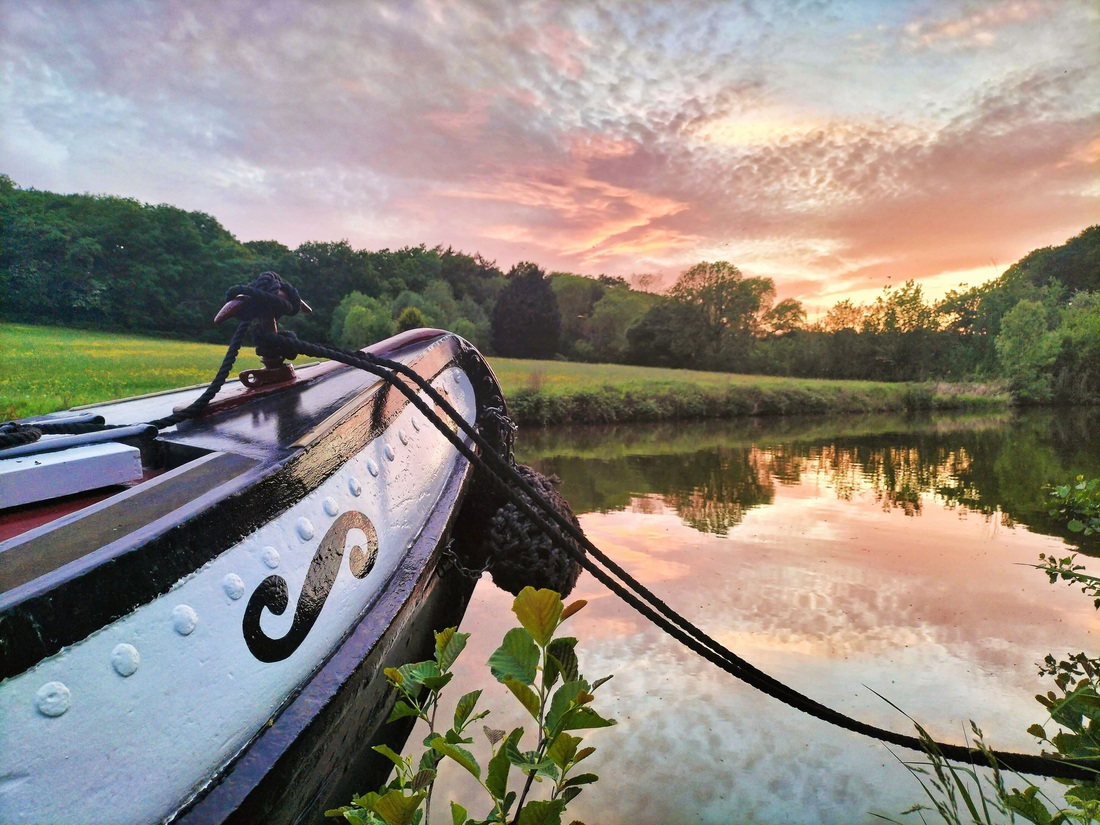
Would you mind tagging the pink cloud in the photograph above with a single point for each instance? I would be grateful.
(976, 28)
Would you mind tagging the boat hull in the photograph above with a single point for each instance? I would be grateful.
(312, 758)
(209, 645)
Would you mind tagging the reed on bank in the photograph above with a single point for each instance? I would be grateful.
(44, 369)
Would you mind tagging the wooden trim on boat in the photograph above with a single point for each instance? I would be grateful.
(47, 548)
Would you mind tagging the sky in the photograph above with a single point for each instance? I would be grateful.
(835, 147)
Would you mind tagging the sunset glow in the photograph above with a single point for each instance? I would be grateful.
(837, 148)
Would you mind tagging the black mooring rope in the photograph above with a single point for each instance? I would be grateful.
(271, 297)
(656, 610)
(199, 404)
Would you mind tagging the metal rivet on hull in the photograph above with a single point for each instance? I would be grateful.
(404, 436)
(125, 659)
(270, 556)
(331, 507)
(305, 529)
(53, 699)
(388, 452)
(184, 619)
(372, 467)
(355, 487)
(233, 585)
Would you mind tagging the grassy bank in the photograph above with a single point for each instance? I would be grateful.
(43, 369)
(552, 392)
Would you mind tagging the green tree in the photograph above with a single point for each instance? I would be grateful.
(786, 316)
(666, 336)
(410, 318)
(1027, 349)
(525, 321)
(1077, 367)
(360, 320)
(844, 315)
(731, 313)
(472, 277)
(605, 334)
(577, 297)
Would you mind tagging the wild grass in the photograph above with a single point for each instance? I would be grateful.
(44, 369)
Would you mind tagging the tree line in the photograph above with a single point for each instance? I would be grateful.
(115, 263)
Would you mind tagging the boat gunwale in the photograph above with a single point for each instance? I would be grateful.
(68, 604)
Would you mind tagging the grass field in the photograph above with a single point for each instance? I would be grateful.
(43, 369)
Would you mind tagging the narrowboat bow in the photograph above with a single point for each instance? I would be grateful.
(203, 640)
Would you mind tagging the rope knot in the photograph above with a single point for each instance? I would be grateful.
(269, 296)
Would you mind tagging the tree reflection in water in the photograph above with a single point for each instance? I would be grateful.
(712, 473)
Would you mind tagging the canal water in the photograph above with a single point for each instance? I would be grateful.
(868, 562)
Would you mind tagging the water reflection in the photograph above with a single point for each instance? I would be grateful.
(713, 473)
(848, 559)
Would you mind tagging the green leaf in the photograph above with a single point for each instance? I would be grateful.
(459, 755)
(397, 809)
(563, 749)
(393, 756)
(358, 816)
(1037, 731)
(458, 814)
(581, 779)
(1075, 525)
(496, 777)
(1028, 806)
(453, 737)
(539, 812)
(561, 658)
(401, 710)
(539, 611)
(583, 754)
(529, 761)
(583, 717)
(527, 697)
(438, 682)
(568, 795)
(516, 658)
(465, 707)
(415, 674)
(565, 697)
(448, 644)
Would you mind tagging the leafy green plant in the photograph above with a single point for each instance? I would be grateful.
(1078, 505)
(957, 794)
(541, 670)
(1066, 569)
